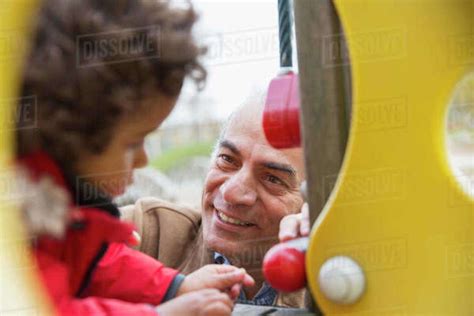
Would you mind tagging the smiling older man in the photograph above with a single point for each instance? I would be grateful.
(249, 188)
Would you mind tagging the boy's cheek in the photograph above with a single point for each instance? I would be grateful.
(113, 185)
(129, 158)
(123, 183)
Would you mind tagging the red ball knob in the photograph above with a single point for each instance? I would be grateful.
(281, 121)
(284, 267)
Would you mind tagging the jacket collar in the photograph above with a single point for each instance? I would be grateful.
(86, 195)
(40, 164)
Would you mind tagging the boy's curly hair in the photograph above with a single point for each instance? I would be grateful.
(94, 61)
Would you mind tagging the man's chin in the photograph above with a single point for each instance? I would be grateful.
(221, 245)
(247, 253)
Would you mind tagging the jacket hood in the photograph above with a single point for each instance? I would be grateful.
(46, 194)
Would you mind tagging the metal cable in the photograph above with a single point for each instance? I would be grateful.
(284, 27)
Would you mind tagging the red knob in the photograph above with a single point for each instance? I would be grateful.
(281, 122)
(284, 265)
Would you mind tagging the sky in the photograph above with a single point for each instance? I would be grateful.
(242, 40)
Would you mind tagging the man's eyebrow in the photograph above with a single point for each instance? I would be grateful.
(229, 145)
(281, 167)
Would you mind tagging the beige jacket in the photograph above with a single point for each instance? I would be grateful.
(173, 235)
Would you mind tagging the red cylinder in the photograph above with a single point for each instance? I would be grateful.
(284, 265)
(281, 122)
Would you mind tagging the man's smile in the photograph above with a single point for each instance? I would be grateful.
(232, 220)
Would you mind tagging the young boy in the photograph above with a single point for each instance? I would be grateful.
(104, 74)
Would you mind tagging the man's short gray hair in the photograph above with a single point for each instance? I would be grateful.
(257, 97)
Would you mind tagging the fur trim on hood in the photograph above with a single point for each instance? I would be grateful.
(44, 205)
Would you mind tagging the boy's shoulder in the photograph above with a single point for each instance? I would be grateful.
(165, 228)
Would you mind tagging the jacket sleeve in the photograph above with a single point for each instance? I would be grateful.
(104, 307)
(129, 275)
(54, 276)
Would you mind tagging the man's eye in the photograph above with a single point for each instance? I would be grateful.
(226, 162)
(273, 179)
(225, 158)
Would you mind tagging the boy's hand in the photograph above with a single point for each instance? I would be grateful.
(225, 278)
(295, 225)
(203, 302)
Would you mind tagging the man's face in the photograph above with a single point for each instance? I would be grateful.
(249, 188)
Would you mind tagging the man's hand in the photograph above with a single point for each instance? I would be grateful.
(225, 278)
(295, 225)
(203, 302)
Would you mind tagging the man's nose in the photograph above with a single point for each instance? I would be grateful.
(240, 188)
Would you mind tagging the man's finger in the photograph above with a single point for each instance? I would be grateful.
(289, 227)
(304, 225)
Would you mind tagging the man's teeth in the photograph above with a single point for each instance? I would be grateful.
(231, 220)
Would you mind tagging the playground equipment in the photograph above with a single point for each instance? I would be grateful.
(396, 235)
(19, 290)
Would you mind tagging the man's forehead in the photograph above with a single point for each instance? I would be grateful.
(247, 119)
(246, 145)
(245, 133)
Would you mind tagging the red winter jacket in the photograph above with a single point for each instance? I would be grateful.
(91, 270)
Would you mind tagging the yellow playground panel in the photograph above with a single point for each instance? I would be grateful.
(19, 293)
(399, 208)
